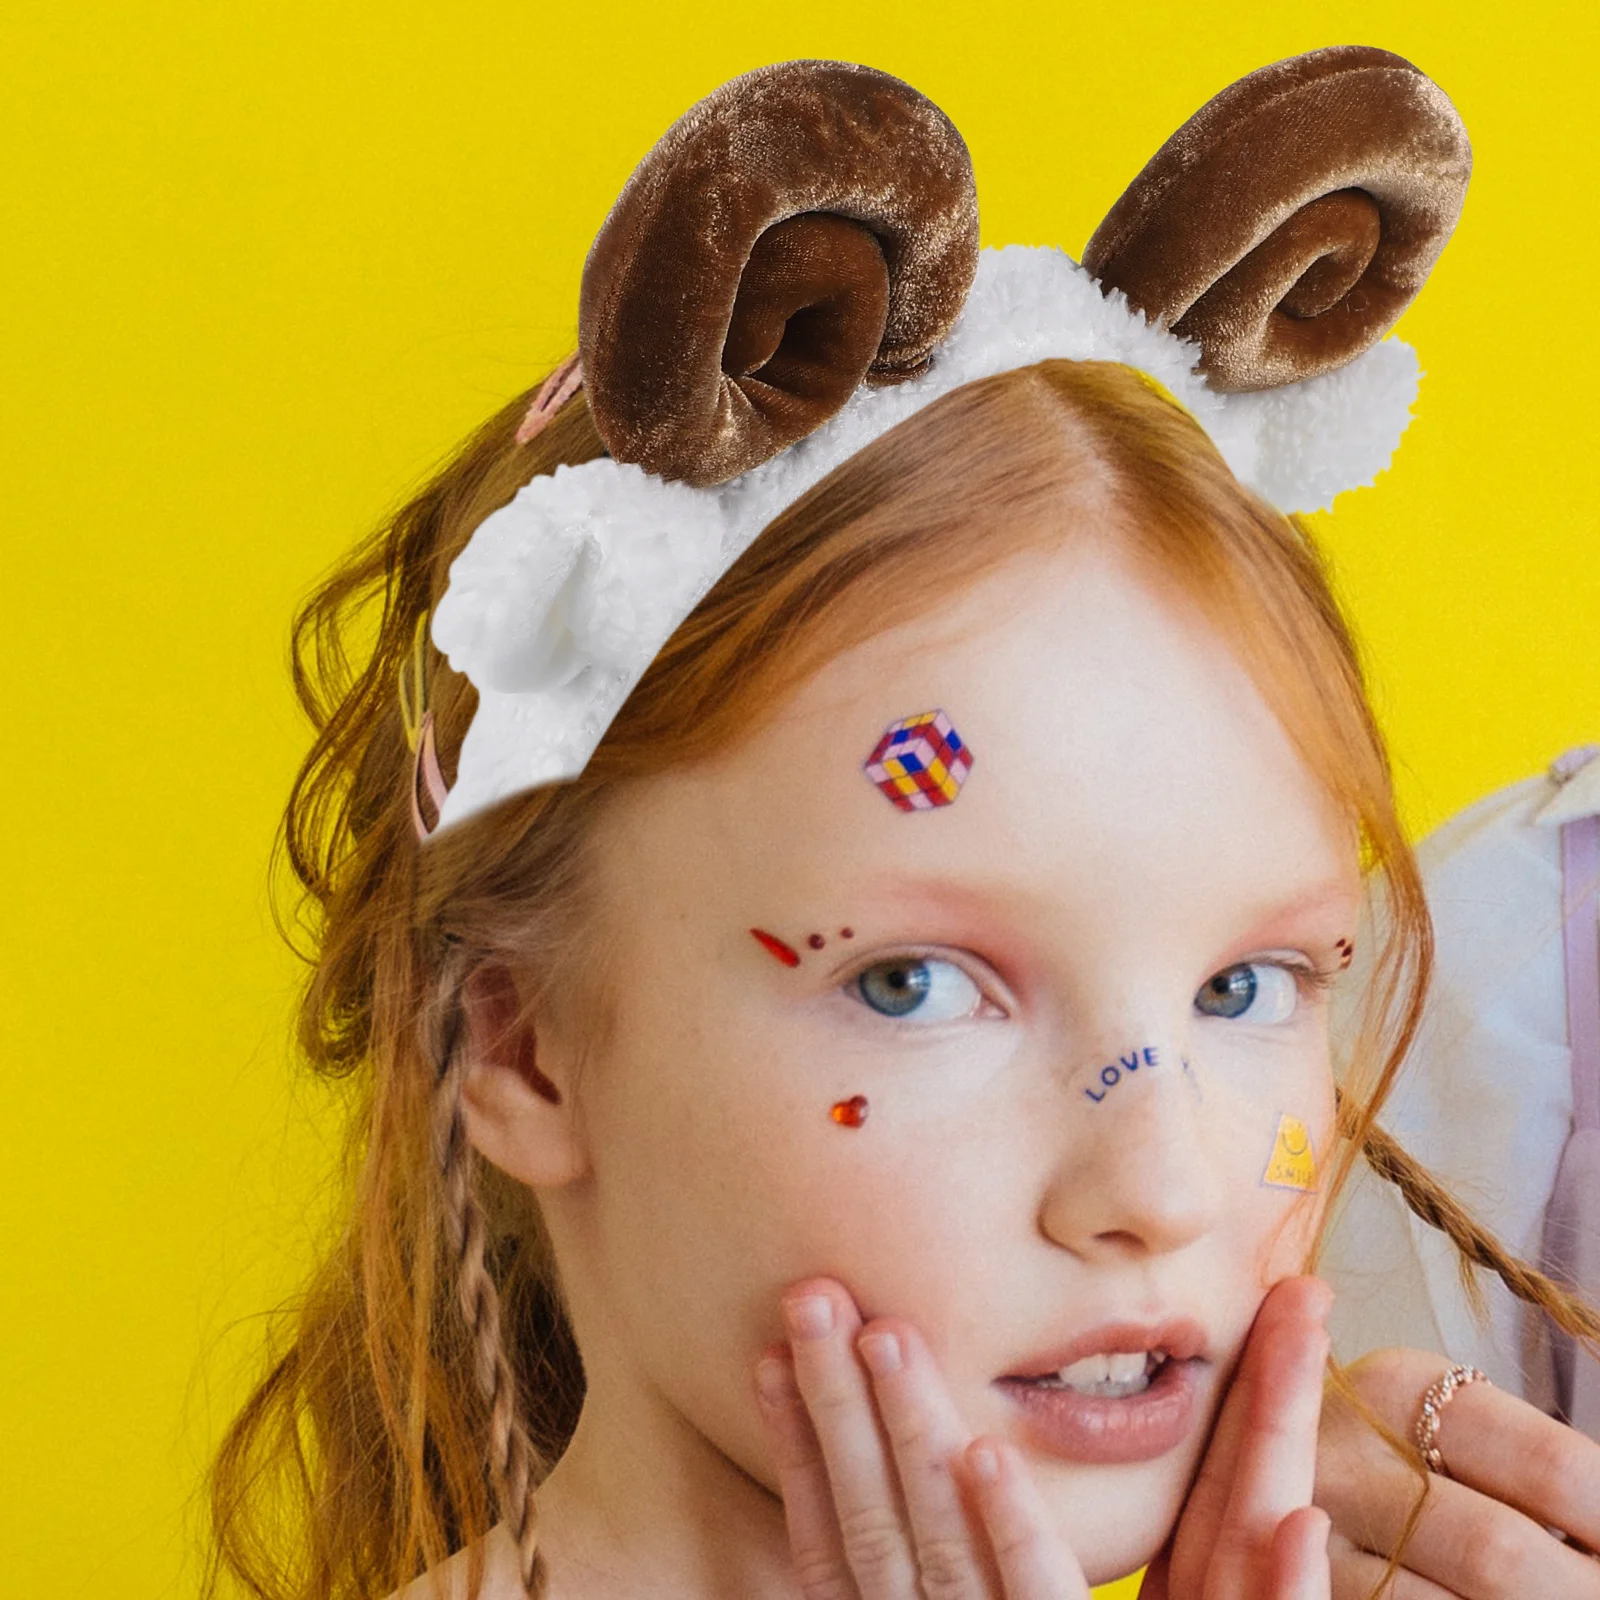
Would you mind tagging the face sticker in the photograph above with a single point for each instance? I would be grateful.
(1124, 1066)
(920, 762)
(1347, 953)
(1294, 1163)
(776, 948)
(850, 1113)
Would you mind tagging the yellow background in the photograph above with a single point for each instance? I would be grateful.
(263, 264)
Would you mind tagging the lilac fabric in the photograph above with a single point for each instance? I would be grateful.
(1572, 1219)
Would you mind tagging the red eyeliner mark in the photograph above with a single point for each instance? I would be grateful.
(789, 956)
(851, 1113)
(816, 941)
(847, 933)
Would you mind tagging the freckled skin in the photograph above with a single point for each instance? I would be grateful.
(1138, 822)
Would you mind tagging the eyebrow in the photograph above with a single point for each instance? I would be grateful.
(1330, 894)
(997, 908)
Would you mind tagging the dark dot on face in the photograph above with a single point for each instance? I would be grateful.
(847, 933)
(816, 941)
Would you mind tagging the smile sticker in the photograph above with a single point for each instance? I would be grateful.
(1294, 1162)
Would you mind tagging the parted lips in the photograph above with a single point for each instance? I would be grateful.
(806, 227)
(1288, 223)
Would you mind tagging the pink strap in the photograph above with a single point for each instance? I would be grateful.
(426, 778)
(1580, 876)
(553, 393)
(1572, 1217)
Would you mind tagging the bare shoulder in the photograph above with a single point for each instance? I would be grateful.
(450, 1579)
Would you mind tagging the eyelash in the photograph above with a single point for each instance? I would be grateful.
(1312, 981)
(849, 983)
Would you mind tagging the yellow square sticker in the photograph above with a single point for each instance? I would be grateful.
(1294, 1163)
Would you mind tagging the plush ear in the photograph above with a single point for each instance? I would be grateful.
(517, 1100)
(1288, 223)
(806, 227)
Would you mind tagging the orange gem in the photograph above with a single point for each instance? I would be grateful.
(851, 1113)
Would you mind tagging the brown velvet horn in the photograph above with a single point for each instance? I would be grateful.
(806, 227)
(1287, 224)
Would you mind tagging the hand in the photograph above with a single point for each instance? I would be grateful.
(888, 1497)
(1248, 1530)
(886, 1494)
(1482, 1531)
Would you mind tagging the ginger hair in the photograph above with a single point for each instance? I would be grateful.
(428, 1379)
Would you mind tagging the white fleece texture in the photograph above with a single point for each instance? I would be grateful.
(562, 599)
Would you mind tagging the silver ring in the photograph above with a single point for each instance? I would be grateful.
(1433, 1403)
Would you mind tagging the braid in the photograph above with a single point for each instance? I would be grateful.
(510, 1453)
(1428, 1198)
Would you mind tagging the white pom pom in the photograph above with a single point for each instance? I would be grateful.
(1324, 435)
(563, 598)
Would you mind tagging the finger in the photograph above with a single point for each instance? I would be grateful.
(1185, 1565)
(1157, 1576)
(1466, 1543)
(1471, 1536)
(1299, 1557)
(1500, 1445)
(1357, 1574)
(814, 1542)
(1276, 1465)
(927, 1436)
(822, 1323)
(1032, 1561)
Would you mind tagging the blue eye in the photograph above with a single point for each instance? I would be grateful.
(1255, 991)
(920, 986)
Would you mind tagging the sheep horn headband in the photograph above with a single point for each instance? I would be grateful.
(794, 269)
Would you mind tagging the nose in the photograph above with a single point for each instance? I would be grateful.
(1137, 1176)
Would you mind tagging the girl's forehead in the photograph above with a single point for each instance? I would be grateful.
(1064, 717)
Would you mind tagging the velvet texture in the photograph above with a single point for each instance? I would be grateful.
(805, 228)
(1288, 223)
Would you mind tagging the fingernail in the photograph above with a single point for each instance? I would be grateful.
(984, 1460)
(810, 1317)
(881, 1352)
(773, 1383)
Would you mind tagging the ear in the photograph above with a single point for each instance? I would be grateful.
(517, 1097)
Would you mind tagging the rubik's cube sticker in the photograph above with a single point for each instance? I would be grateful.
(920, 762)
(1293, 1163)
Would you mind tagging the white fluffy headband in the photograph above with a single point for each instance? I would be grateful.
(793, 271)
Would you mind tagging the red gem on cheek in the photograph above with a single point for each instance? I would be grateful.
(816, 941)
(851, 1113)
(776, 947)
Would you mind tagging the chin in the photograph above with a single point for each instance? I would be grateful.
(1117, 1524)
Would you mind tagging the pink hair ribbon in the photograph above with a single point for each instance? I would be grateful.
(553, 393)
(417, 716)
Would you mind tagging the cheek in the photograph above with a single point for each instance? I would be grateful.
(1277, 1148)
(721, 1164)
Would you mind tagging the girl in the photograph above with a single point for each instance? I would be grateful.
(836, 968)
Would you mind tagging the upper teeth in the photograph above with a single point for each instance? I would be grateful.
(1114, 1373)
